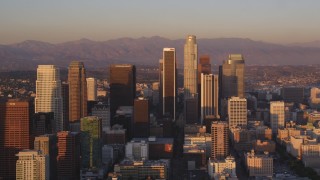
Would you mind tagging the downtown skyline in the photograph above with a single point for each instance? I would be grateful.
(274, 21)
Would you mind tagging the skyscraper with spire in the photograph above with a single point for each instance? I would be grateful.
(190, 67)
(48, 97)
(77, 91)
(191, 80)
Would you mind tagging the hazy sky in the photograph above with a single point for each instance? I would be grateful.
(279, 21)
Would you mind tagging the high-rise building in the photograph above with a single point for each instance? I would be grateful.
(32, 165)
(103, 112)
(191, 110)
(47, 145)
(204, 67)
(276, 115)
(15, 128)
(190, 67)
(155, 93)
(209, 95)
(220, 140)
(169, 84)
(232, 77)
(42, 123)
(91, 142)
(77, 91)
(124, 117)
(68, 155)
(65, 104)
(92, 89)
(48, 97)
(160, 87)
(122, 86)
(141, 117)
(237, 112)
(191, 79)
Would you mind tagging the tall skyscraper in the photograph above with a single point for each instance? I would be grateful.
(68, 155)
(77, 91)
(91, 142)
(160, 87)
(169, 84)
(232, 77)
(141, 117)
(190, 67)
(15, 126)
(204, 67)
(48, 94)
(209, 95)
(237, 112)
(277, 115)
(122, 86)
(32, 165)
(103, 112)
(220, 140)
(92, 89)
(47, 145)
(65, 104)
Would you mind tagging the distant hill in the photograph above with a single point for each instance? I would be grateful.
(147, 51)
(315, 44)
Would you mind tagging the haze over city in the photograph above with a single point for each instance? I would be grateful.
(284, 22)
(170, 90)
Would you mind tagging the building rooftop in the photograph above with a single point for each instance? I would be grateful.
(128, 162)
(154, 140)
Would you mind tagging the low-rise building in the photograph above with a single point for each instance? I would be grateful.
(137, 170)
(194, 156)
(311, 154)
(201, 140)
(295, 144)
(218, 168)
(137, 150)
(242, 139)
(115, 135)
(285, 134)
(259, 164)
(265, 146)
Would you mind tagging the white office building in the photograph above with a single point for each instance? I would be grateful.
(32, 165)
(48, 94)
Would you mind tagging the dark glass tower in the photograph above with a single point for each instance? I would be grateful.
(169, 82)
(141, 119)
(232, 78)
(65, 104)
(122, 86)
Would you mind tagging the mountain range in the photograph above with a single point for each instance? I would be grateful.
(147, 51)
